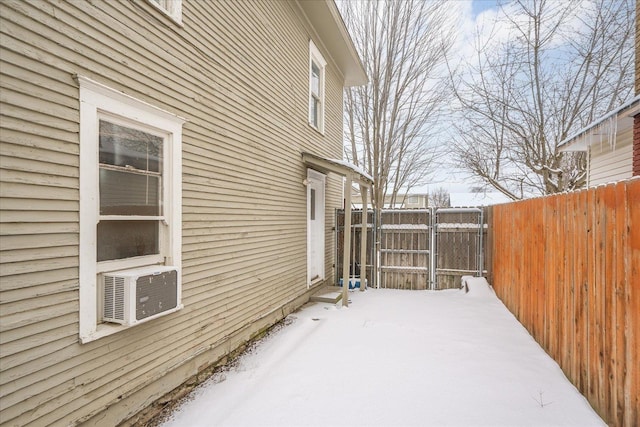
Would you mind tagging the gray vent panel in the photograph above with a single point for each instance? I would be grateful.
(156, 293)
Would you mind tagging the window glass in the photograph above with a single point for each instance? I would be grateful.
(312, 202)
(172, 7)
(126, 193)
(316, 88)
(130, 184)
(314, 111)
(129, 148)
(315, 78)
(130, 171)
(126, 239)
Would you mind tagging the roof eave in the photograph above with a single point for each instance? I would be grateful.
(580, 141)
(325, 18)
(339, 167)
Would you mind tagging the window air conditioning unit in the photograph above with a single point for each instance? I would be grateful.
(140, 294)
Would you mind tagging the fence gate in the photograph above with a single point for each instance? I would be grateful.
(356, 229)
(419, 249)
(459, 245)
(405, 247)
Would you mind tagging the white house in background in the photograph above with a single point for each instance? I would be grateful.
(403, 201)
(475, 199)
(612, 146)
(458, 199)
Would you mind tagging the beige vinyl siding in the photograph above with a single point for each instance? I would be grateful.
(238, 72)
(612, 163)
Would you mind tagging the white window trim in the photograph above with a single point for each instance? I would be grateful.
(316, 56)
(172, 9)
(97, 100)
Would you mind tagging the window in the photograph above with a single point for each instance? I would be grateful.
(130, 192)
(130, 184)
(316, 87)
(171, 8)
(312, 207)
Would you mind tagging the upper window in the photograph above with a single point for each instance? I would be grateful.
(130, 193)
(172, 8)
(317, 66)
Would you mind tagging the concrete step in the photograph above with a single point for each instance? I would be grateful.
(328, 294)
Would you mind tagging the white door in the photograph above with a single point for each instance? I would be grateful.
(315, 226)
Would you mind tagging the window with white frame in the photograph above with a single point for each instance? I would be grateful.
(130, 192)
(172, 8)
(317, 66)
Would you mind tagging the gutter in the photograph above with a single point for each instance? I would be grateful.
(633, 106)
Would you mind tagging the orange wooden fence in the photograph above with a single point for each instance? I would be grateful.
(568, 267)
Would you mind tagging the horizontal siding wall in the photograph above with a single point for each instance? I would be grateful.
(238, 72)
(611, 164)
(567, 266)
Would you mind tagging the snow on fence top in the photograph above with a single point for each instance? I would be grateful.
(461, 225)
(404, 227)
(427, 227)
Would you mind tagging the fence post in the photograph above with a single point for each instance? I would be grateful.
(480, 245)
(488, 248)
(347, 242)
(432, 249)
(377, 219)
(363, 239)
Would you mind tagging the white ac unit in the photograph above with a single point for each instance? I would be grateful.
(137, 295)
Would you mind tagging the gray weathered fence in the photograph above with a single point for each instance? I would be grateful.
(419, 248)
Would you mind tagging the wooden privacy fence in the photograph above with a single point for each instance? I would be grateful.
(568, 267)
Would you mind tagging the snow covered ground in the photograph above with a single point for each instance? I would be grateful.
(394, 358)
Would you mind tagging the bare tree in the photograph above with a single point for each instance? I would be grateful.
(390, 121)
(440, 198)
(561, 66)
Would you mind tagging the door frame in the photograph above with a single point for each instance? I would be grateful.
(316, 181)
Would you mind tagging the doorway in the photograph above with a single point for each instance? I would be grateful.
(315, 226)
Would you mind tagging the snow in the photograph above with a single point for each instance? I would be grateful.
(477, 287)
(354, 168)
(461, 225)
(405, 227)
(394, 358)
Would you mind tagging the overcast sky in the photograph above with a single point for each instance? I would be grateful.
(466, 15)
